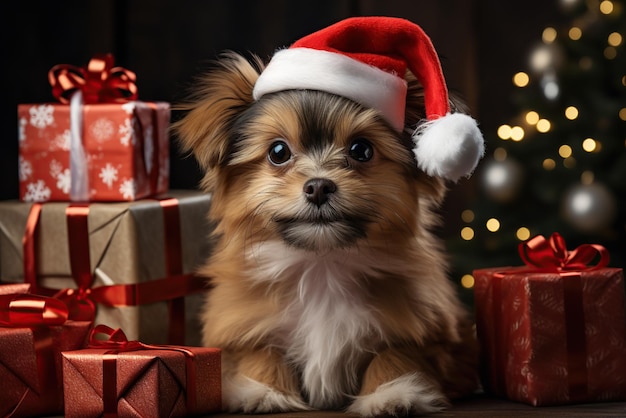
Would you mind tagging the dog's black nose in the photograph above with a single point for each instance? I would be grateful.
(317, 190)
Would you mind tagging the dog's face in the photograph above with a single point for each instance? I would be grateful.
(315, 170)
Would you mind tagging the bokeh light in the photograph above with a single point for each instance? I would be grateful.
(467, 281)
(467, 233)
(521, 79)
(549, 164)
(565, 151)
(493, 225)
(571, 112)
(590, 145)
(543, 125)
(522, 233)
(532, 117)
(606, 7)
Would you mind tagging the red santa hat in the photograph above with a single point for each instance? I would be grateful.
(364, 59)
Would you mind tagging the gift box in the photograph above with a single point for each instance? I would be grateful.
(133, 260)
(553, 331)
(128, 379)
(34, 330)
(96, 145)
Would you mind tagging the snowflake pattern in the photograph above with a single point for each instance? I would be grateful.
(108, 174)
(22, 129)
(127, 133)
(55, 168)
(41, 116)
(127, 189)
(102, 130)
(37, 192)
(26, 169)
(129, 107)
(62, 141)
(64, 181)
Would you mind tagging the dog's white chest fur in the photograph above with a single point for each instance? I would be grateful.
(327, 330)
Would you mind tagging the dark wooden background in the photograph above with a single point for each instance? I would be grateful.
(168, 42)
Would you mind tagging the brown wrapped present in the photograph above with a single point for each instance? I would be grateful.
(553, 332)
(129, 379)
(124, 257)
(33, 332)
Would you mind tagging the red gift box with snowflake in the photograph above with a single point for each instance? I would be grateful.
(98, 144)
(553, 331)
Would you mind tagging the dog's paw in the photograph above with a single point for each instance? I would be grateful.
(406, 395)
(242, 394)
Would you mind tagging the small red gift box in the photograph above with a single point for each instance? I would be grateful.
(106, 147)
(128, 379)
(33, 332)
(554, 331)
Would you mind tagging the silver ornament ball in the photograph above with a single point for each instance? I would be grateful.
(590, 208)
(502, 180)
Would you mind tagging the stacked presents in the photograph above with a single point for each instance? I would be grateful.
(97, 260)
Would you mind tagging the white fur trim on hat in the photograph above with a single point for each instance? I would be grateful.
(449, 147)
(312, 69)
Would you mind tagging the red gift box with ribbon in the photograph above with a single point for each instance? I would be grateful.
(98, 144)
(34, 330)
(121, 378)
(553, 331)
(130, 264)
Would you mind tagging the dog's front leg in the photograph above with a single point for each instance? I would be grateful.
(259, 381)
(398, 382)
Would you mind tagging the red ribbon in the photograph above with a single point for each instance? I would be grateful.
(552, 254)
(116, 342)
(26, 310)
(99, 81)
(174, 266)
(543, 255)
(28, 245)
(81, 306)
(81, 301)
(21, 310)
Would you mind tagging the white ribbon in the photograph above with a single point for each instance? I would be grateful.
(79, 179)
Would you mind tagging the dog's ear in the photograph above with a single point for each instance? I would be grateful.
(215, 102)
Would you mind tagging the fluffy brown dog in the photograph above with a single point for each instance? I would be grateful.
(329, 290)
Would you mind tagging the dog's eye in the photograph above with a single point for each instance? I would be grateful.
(279, 153)
(361, 150)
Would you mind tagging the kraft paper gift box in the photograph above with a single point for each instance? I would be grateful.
(33, 333)
(129, 379)
(554, 331)
(112, 147)
(129, 250)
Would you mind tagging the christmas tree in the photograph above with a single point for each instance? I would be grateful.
(559, 164)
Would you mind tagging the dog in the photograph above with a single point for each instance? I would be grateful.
(329, 289)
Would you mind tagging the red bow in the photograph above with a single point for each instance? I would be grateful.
(117, 342)
(80, 305)
(99, 81)
(552, 254)
(26, 310)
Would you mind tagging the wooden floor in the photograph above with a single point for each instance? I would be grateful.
(486, 408)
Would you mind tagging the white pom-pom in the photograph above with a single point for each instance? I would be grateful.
(449, 147)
